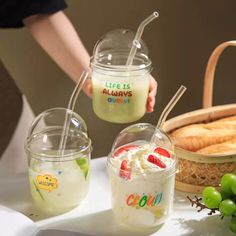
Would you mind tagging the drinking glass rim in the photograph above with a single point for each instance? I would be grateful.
(122, 68)
(57, 157)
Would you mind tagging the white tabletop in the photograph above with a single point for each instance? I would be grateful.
(94, 215)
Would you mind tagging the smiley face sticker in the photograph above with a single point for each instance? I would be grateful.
(47, 182)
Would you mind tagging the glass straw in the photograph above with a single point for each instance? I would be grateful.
(138, 35)
(69, 112)
(168, 109)
(77, 89)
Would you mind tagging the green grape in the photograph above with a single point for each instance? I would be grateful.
(232, 224)
(211, 197)
(225, 195)
(227, 207)
(233, 188)
(207, 190)
(227, 181)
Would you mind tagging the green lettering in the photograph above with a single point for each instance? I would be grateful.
(143, 201)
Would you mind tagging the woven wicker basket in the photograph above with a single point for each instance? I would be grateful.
(196, 171)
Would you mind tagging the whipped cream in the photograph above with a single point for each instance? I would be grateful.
(138, 158)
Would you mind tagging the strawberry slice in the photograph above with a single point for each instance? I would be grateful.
(125, 171)
(124, 149)
(162, 152)
(153, 159)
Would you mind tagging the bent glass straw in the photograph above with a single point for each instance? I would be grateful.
(71, 107)
(138, 36)
(168, 109)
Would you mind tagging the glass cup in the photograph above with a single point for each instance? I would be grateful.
(120, 91)
(59, 179)
(142, 194)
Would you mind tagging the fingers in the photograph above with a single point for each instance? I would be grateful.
(152, 95)
(87, 88)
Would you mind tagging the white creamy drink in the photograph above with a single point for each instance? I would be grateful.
(142, 182)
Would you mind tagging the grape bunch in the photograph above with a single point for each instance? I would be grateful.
(223, 200)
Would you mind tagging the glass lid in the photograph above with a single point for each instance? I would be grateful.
(142, 132)
(56, 131)
(113, 48)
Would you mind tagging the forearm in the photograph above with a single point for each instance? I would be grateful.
(58, 38)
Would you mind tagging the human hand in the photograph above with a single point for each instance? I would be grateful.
(87, 88)
(151, 95)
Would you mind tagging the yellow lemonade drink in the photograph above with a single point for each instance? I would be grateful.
(58, 186)
(58, 174)
(142, 182)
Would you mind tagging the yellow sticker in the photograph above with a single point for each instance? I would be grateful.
(46, 182)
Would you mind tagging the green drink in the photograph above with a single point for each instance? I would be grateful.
(120, 96)
(120, 91)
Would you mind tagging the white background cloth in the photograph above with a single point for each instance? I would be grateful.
(15, 224)
(13, 160)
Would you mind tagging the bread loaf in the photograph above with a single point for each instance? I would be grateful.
(197, 137)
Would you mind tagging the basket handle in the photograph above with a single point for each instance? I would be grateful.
(210, 72)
